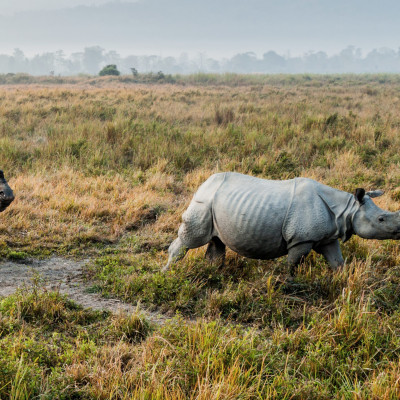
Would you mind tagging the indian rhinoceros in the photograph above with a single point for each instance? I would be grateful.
(266, 219)
(6, 193)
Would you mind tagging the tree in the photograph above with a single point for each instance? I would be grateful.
(18, 61)
(244, 63)
(92, 57)
(110, 69)
(273, 62)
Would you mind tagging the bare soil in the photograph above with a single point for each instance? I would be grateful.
(66, 276)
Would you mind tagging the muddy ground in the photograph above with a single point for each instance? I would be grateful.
(65, 275)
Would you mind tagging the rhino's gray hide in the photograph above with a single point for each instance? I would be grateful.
(265, 219)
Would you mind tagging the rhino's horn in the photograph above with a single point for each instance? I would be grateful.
(359, 194)
(375, 193)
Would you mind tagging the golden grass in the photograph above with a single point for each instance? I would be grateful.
(110, 165)
(86, 162)
(65, 208)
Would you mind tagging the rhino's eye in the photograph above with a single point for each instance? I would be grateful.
(381, 219)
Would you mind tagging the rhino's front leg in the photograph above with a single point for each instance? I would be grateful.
(297, 254)
(332, 254)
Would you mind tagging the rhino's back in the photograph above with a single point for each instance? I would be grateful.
(249, 214)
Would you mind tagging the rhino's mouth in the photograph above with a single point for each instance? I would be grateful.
(4, 204)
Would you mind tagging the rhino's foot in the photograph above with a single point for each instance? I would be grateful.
(177, 250)
(215, 251)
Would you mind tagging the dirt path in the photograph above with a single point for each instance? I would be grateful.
(66, 276)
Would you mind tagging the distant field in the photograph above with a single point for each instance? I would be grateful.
(104, 168)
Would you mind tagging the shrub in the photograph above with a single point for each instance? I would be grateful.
(110, 69)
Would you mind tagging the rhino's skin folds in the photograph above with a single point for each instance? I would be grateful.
(265, 219)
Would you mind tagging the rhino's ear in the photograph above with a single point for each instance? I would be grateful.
(359, 194)
(375, 193)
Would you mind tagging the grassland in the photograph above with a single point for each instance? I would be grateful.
(104, 167)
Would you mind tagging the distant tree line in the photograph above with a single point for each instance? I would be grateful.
(92, 59)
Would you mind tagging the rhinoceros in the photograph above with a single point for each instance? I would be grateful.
(266, 219)
(6, 193)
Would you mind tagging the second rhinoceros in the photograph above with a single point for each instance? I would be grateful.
(6, 193)
(266, 219)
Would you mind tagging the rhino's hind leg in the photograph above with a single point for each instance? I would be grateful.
(297, 254)
(177, 250)
(332, 254)
(216, 251)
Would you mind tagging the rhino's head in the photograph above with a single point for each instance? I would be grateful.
(371, 222)
(6, 193)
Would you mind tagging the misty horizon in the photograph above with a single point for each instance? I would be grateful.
(217, 28)
(93, 58)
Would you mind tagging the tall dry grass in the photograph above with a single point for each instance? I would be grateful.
(107, 165)
(86, 162)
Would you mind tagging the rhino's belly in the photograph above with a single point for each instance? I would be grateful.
(250, 222)
(250, 250)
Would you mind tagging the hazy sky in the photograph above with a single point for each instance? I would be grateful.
(219, 28)
(8, 7)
